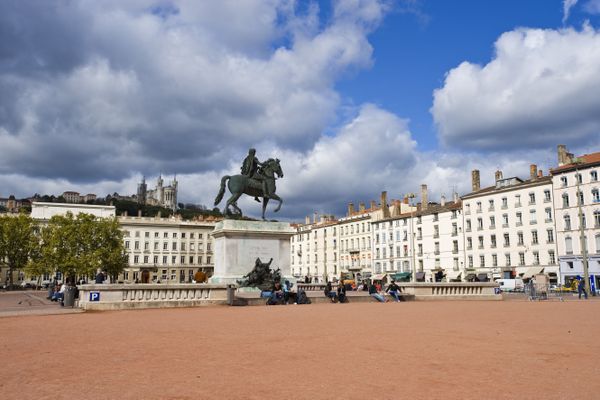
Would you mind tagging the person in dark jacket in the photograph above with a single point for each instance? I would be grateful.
(394, 290)
(375, 293)
(330, 293)
(341, 293)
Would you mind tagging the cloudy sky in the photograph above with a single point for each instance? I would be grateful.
(354, 96)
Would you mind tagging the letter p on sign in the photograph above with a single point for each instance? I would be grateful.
(94, 296)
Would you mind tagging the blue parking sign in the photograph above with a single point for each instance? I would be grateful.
(94, 296)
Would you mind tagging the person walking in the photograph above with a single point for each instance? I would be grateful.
(581, 288)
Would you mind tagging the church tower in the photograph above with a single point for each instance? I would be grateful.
(141, 191)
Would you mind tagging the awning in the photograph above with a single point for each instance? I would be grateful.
(531, 271)
(378, 277)
(402, 276)
(482, 277)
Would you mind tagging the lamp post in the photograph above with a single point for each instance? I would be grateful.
(412, 238)
(582, 241)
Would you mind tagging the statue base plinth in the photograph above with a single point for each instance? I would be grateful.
(239, 243)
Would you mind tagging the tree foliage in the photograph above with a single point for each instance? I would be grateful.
(79, 246)
(18, 242)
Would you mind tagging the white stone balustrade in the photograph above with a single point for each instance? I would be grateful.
(117, 297)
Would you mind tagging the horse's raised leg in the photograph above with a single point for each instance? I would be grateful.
(275, 197)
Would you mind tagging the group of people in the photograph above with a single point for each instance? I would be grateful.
(283, 294)
(374, 289)
(336, 296)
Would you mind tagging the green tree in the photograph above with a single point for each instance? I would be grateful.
(18, 241)
(78, 246)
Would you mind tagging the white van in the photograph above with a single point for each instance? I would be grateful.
(511, 285)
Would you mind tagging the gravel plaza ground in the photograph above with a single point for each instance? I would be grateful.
(412, 350)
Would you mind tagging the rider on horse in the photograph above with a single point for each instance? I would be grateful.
(251, 169)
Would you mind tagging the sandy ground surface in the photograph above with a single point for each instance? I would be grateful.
(420, 350)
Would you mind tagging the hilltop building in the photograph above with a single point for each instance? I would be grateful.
(163, 196)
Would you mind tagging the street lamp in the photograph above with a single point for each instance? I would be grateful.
(584, 258)
(412, 238)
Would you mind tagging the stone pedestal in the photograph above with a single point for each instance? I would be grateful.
(239, 243)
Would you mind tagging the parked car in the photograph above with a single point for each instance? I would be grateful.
(29, 284)
(511, 285)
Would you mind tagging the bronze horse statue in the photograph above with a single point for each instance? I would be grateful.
(241, 184)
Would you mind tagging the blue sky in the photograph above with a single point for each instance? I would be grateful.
(354, 96)
(413, 50)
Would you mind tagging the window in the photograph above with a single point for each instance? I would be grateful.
(137, 245)
(164, 260)
(435, 217)
(563, 181)
(548, 214)
(492, 222)
(547, 197)
(174, 235)
(469, 243)
(506, 240)
(534, 237)
(493, 241)
(504, 203)
(519, 218)
(482, 261)
(173, 259)
(166, 235)
(580, 197)
(147, 234)
(550, 235)
(127, 244)
(174, 246)
(517, 200)
(593, 176)
(479, 224)
(551, 257)
(183, 246)
(507, 258)
(532, 218)
(467, 209)
(520, 239)
(156, 234)
(597, 219)
(155, 259)
(480, 242)
(505, 220)
(567, 219)
(536, 258)
(565, 200)
(478, 206)
(468, 225)
(579, 179)
(436, 231)
(137, 233)
(531, 198)
(491, 208)
(521, 258)
(155, 246)
(470, 261)
(494, 260)
(192, 235)
(598, 244)
(146, 246)
(136, 259)
(455, 246)
(595, 196)
(454, 229)
(165, 246)
(569, 245)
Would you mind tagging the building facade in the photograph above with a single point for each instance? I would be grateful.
(577, 189)
(509, 227)
(166, 250)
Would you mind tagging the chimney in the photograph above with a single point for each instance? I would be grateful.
(562, 154)
(455, 197)
(307, 220)
(350, 209)
(475, 183)
(533, 172)
(498, 175)
(424, 201)
(373, 205)
(443, 201)
(361, 206)
(384, 205)
(140, 213)
(540, 173)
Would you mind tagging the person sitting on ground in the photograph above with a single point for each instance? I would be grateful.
(330, 293)
(277, 294)
(341, 293)
(287, 291)
(375, 293)
(394, 290)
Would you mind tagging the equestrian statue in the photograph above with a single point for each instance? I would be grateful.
(257, 179)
